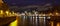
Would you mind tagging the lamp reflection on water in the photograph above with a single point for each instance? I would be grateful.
(58, 24)
(14, 23)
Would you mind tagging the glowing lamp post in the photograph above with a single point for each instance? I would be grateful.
(57, 13)
(50, 14)
(7, 12)
(1, 11)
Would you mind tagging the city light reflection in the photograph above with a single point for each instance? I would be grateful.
(14, 23)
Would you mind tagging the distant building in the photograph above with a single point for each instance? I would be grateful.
(3, 6)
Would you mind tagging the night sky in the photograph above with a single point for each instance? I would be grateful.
(31, 2)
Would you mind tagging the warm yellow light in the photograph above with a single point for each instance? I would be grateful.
(1, 11)
(50, 14)
(10, 13)
(7, 12)
(14, 23)
(13, 12)
(58, 24)
(56, 13)
(52, 23)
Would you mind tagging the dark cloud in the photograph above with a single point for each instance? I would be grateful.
(27, 2)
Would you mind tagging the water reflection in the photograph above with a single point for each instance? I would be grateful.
(35, 20)
(58, 24)
(14, 23)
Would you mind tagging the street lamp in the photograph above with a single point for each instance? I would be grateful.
(7, 12)
(57, 13)
(50, 14)
(1, 11)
